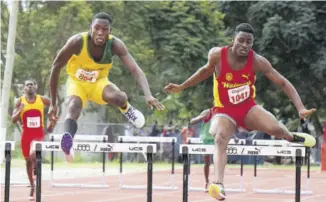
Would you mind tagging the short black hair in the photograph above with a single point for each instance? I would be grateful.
(244, 27)
(32, 80)
(102, 15)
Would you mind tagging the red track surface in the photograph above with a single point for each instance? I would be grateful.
(266, 179)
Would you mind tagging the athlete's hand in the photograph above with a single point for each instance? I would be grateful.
(53, 113)
(303, 113)
(153, 102)
(173, 88)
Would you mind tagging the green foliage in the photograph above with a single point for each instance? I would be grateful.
(182, 33)
(170, 41)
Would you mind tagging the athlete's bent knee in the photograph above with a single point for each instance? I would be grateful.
(121, 98)
(221, 139)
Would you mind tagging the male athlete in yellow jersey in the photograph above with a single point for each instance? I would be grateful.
(89, 59)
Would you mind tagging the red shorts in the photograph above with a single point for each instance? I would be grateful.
(237, 113)
(28, 137)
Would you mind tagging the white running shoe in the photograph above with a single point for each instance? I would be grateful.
(134, 116)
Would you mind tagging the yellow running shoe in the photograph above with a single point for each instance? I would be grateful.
(304, 138)
(216, 190)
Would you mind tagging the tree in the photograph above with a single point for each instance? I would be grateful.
(182, 33)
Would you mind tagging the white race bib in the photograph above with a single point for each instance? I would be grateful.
(33, 122)
(86, 75)
(240, 94)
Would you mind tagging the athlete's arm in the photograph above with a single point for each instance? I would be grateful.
(120, 49)
(200, 117)
(17, 110)
(72, 46)
(201, 74)
(46, 101)
(261, 64)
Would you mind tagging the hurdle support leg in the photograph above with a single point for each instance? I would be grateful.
(52, 162)
(149, 173)
(185, 158)
(298, 163)
(173, 159)
(308, 187)
(7, 172)
(120, 168)
(103, 165)
(38, 149)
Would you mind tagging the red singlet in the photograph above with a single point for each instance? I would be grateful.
(234, 90)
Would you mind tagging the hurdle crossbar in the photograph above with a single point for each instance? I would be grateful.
(77, 137)
(298, 152)
(140, 139)
(281, 144)
(197, 140)
(149, 149)
(229, 189)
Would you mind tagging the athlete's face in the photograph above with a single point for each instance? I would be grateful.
(100, 29)
(30, 87)
(242, 43)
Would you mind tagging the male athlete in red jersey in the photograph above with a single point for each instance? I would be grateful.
(234, 69)
(29, 110)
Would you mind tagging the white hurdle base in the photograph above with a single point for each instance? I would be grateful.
(138, 187)
(75, 185)
(17, 183)
(228, 189)
(94, 186)
(235, 190)
(304, 191)
(279, 191)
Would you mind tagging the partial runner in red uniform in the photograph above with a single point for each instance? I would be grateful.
(29, 110)
(233, 68)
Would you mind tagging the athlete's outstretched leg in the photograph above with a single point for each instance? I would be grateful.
(113, 95)
(75, 106)
(260, 119)
(222, 129)
(26, 146)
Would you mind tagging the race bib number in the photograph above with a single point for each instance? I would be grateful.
(86, 75)
(238, 95)
(33, 122)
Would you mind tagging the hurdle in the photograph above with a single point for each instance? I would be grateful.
(16, 183)
(241, 188)
(8, 147)
(83, 138)
(172, 140)
(149, 149)
(298, 152)
(281, 144)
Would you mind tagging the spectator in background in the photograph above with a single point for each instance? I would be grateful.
(155, 131)
(168, 130)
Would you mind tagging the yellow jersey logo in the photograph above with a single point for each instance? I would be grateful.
(246, 76)
(228, 76)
